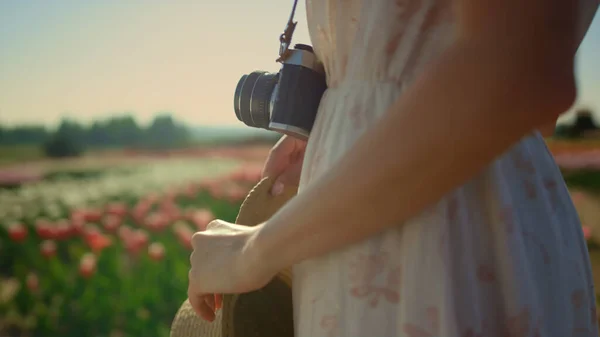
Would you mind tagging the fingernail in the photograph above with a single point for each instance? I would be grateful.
(277, 188)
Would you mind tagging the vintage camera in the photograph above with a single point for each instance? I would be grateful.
(287, 101)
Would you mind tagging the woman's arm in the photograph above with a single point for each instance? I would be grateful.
(547, 130)
(509, 71)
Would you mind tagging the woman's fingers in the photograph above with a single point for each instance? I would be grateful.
(210, 301)
(202, 308)
(203, 305)
(278, 157)
(290, 177)
(218, 301)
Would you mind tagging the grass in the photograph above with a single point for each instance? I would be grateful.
(14, 154)
(559, 146)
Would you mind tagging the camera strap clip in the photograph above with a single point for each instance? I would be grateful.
(285, 39)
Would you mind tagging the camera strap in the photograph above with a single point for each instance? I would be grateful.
(285, 39)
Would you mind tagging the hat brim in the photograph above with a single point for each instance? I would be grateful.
(263, 313)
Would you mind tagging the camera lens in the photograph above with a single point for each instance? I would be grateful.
(252, 98)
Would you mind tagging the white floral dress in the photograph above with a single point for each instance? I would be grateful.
(502, 255)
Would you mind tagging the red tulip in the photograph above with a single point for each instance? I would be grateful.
(17, 232)
(48, 248)
(77, 222)
(32, 282)
(63, 229)
(95, 239)
(45, 229)
(93, 215)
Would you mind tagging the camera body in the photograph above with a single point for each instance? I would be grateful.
(287, 101)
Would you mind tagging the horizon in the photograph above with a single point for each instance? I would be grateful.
(94, 60)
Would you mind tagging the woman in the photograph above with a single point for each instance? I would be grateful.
(429, 204)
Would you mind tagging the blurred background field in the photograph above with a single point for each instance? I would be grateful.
(118, 141)
(96, 238)
(99, 245)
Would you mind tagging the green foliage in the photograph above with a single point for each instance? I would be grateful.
(130, 291)
(72, 137)
(10, 154)
(61, 146)
(584, 123)
(585, 179)
(23, 135)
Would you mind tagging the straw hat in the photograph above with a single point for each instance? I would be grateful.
(263, 313)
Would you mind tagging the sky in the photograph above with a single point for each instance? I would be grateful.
(96, 58)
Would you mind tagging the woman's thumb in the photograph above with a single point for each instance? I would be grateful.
(289, 177)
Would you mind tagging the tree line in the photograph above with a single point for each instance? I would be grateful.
(72, 137)
(583, 126)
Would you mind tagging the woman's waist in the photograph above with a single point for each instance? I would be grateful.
(362, 84)
(352, 97)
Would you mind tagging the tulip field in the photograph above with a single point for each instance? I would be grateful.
(104, 252)
(108, 254)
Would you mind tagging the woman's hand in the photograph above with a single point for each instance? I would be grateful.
(223, 261)
(285, 162)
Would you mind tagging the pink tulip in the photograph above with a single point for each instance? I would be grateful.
(184, 234)
(587, 232)
(577, 197)
(63, 229)
(116, 209)
(87, 265)
(201, 218)
(45, 229)
(156, 251)
(48, 248)
(111, 222)
(95, 239)
(32, 282)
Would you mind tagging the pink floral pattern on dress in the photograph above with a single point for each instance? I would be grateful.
(505, 254)
(485, 331)
(330, 325)
(580, 308)
(506, 217)
(452, 216)
(372, 278)
(402, 8)
(534, 238)
(551, 187)
(317, 159)
(530, 189)
(522, 325)
(431, 329)
(523, 164)
(486, 274)
(356, 118)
